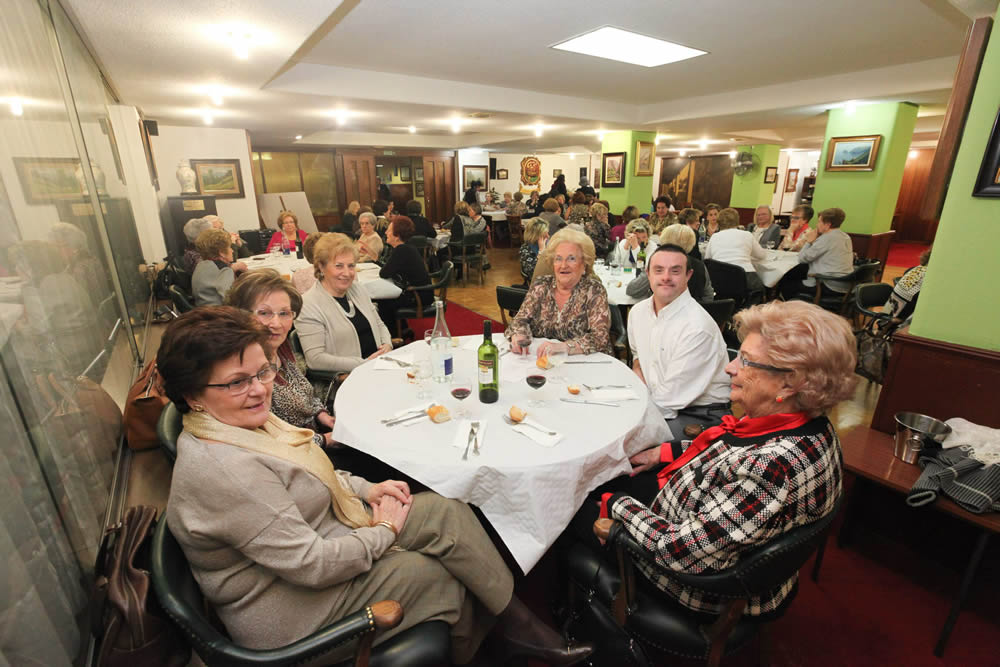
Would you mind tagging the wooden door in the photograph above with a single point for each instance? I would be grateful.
(358, 178)
(439, 187)
(907, 221)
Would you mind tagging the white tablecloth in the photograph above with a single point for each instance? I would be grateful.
(496, 215)
(441, 240)
(378, 288)
(777, 264)
(528, 492)
(615, 284)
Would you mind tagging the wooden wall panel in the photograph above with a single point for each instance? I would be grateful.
(907, 223)
(939, 379)
(873, 246)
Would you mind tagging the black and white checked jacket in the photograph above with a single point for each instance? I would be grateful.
(737, 494)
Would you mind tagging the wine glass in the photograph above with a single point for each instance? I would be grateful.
(557, 358)
(536, 382)
(461, 390)
(427, 335)
(422, 374)
(524, 340)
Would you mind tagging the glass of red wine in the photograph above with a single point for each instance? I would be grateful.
(536, 382)
(461, 389)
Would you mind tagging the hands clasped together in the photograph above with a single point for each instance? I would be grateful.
(390, 501)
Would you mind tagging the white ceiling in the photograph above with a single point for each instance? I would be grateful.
(772, 70)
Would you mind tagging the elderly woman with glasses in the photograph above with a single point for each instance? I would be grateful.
(749, 480)
(566, 302)
(276, 303)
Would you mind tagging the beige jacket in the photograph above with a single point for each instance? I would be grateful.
(329, 340)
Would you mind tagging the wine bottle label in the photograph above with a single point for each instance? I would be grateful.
(486, 371)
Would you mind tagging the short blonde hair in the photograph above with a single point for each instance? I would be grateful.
(599, 210)
(816, 344)
(679, 235)
(211, 243)
(630, 213)
(535, 229)
(354, 207)
(637, 225)
(565, 235)
(729, 218)
(551, 205)
(310, 244)
(461, 208)
(330, 247)
(287, 214)
(769, 212)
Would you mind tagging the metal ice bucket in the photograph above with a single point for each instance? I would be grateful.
(914, 432)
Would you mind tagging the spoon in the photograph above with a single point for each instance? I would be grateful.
(510, 421)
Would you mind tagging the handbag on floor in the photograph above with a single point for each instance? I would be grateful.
(874, 345)
(127, 622)
(143, 405)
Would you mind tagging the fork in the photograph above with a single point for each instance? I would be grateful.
(401, 364)
(472, 435)
(475, 438)
(605, 386)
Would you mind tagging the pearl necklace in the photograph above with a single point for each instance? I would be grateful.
(350, 310)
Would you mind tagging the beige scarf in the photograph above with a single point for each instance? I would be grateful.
(295, 445)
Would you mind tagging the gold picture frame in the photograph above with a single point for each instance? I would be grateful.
(48, 179)
(645, 157)
(220, 178)
(853, 153)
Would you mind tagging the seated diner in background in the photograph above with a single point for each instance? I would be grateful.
(566, 302)
(288, 233)
(275, 303)
(369, 243)
(904, 295)
(711, 219)
(405, 267)
(586, 188)
(536, 234)
(282, 544)
(765, 232)
(677, 348)
(517, 207)
(700, 283)
(628, 215)
(240, 249)
(626, 253)
(794, 237)
(828, 250)
(598, 230)
(212, 278)
(349, 223)
(734, 246)
(691, 217)
(192, 229)
(534, 203)
(339, 327)
(383, 214)
(421, 225)
(746, 481)
(660, 217)
(303, 279)
(579, 213)
(550, 214)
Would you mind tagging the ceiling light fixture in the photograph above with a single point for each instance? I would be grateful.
(16, 107)
(216, 96)
(240, 40)
(682, 152)
(850, 107)
(656, 140)
(572, 156)
(539, 128)
(456, 125)
(703, 145)
(732, 154)
(341, 115)
(600, 135)
(912, 154)
(412, 129)
(298, 137)
(628, 47)
(208, 118)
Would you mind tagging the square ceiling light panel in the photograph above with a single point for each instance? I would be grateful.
(628, 47)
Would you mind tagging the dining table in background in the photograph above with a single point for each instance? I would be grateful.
(528, 492)
(615, 280)
(376, 286)
(775, 266)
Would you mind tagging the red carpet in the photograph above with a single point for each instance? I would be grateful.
(905, 255)
(461, 322)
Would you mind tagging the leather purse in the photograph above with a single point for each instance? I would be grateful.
(127, 622)
(143, 405)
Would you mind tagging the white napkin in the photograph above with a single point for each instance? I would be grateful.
(543, 439)
(406, 356)
(462, 428)
(611, 395)
(411, 410)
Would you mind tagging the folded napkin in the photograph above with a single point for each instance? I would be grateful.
(543, 439)
(462, 428)
(611, 395)
(410, 410)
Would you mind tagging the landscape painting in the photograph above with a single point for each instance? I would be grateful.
(645, 152)
(46, 179)
(220, 178)
(853, 153)
(613, 165)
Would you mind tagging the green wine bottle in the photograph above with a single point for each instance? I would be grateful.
(489, 366)
(640, 259)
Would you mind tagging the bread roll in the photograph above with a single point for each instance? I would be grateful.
(517, 414)
(543, 363)
(573, 389)
(438, 414)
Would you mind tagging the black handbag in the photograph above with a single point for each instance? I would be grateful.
(874, 346)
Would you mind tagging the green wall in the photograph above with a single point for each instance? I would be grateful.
(638, 190)
(868, 197)
(958, 302)
(750, 190)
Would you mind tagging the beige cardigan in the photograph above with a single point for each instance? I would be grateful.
(329, 340)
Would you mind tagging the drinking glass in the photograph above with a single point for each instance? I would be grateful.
(557, 358)
(461, 389)
(427, 336)
(536, 382)
(422, 373)
(524, 340)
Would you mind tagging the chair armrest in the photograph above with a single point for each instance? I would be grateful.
(825, 276)
(322, 375)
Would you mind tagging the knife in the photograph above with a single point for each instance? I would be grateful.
(592, 361)
(587, 402)
(406, 419)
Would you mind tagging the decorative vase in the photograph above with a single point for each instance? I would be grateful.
(186, 177)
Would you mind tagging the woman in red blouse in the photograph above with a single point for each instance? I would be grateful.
(289, 232)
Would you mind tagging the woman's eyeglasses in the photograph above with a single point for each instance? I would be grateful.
(237, 387)
(267, 315)
(744, 362)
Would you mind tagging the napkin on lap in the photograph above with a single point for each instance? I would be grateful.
(461, 439)
(543, 439)
(611, 395)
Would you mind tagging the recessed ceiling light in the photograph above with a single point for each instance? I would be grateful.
(628, 47)
(850, 106)
(413, 129)
(732, 154)
(703, 145)
(341, 116)
(208, 118)
(298, 137)
(912, 154)
(572, 156)
(539, 129)
(16, 107)
(456, 125)
(241, 43)
(656, 141)
(682, 152)
(600, 136)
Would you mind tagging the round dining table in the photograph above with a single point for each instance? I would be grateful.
(775, 266)
(367, 276)
(527, 490)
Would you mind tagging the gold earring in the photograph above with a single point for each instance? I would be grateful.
(198, 407)
(779, 399)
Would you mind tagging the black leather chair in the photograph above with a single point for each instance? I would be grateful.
(730, 282)
(721, 311)
(253, 240)
(423, 244)
(423, 645)
(650, 622)
(838, 302)
(509, 299)
(168, 429)
(182, 302)
(418, 309)
(469, 252)
(868, 296)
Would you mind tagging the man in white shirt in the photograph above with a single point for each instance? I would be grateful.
(677, 347)
(828, 251)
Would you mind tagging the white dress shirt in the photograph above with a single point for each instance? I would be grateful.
(831, 254)
(681, 353)
(735, 246)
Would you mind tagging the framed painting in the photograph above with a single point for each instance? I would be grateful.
(853, 153)
(613, 166)
(404, 173)
(418, 174)
(475, 172)
(556, 173)
(49, 179)
(771, 175)
(583, 172)
(645, 154)
(418, 189)
(220, 178)
(791, 180)
(988, 183)
(502, 175)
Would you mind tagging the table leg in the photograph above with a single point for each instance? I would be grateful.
(963, 591)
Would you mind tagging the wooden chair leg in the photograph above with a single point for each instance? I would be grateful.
(719, 631)
(818, 563)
